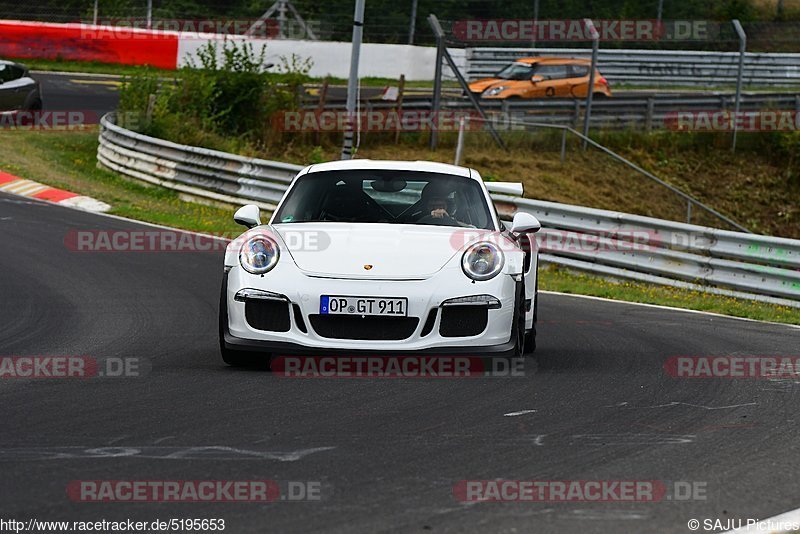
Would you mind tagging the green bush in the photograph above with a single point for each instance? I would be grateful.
(222, 99)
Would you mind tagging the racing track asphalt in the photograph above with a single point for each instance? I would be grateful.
(387, 452)
(94, 93)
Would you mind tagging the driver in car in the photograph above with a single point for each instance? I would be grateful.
(435, 210)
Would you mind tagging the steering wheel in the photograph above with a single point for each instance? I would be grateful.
(439, 221)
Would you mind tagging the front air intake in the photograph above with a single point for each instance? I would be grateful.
(268, 315)
(463, 321)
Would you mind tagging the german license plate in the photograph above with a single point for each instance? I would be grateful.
(385, 306)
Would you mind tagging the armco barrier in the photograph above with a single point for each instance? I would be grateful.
(672, 67)
(737, 264)
(764, 265)
(644, 111)
(200, 172)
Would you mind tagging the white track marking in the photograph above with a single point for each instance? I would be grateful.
(676, 403)
(779, 523)
(86, 204)
(515, 414)
(661, 307)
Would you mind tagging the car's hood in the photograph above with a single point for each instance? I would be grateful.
(363, 250)
(479, 86)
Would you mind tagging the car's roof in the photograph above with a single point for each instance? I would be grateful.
(374, 164)
(544, 60)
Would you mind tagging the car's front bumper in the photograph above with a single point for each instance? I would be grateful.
(303, 294)
(503, 350)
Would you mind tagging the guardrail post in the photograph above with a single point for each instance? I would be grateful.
(688, 212)
(742, 47)
(363, 134)
(576, 115)
(460, 144)
(148, 112)
(595, 46)
(648, 118)
(401, 88)
(323, 97)
(563, 144)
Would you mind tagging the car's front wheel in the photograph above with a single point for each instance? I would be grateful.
(236, 358)
(34, 105)
(530, 337)
(518, 327)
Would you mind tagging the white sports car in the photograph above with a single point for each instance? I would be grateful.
(381, 257)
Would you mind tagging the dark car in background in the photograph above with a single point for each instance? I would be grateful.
(18, 91)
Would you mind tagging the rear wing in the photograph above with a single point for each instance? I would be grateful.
(505, 188)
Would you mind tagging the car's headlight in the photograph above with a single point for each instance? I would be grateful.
(495, 90)
(259, 254)
(482, 261)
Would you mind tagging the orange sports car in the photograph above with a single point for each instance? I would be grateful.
(541, 77)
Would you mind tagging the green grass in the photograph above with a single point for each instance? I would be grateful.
(68, 160)
(92, 67)
(553, 278)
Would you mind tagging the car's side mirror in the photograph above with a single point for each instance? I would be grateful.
(249, 216)
(525, 223)
(537, 79)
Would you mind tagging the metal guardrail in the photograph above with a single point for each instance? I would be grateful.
(643, 111)
(628, 246)
(637, 247)
(648, 112)
(196, 171)
(669, 67)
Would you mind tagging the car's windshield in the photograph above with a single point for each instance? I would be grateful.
(387, 196)
(516, 71)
